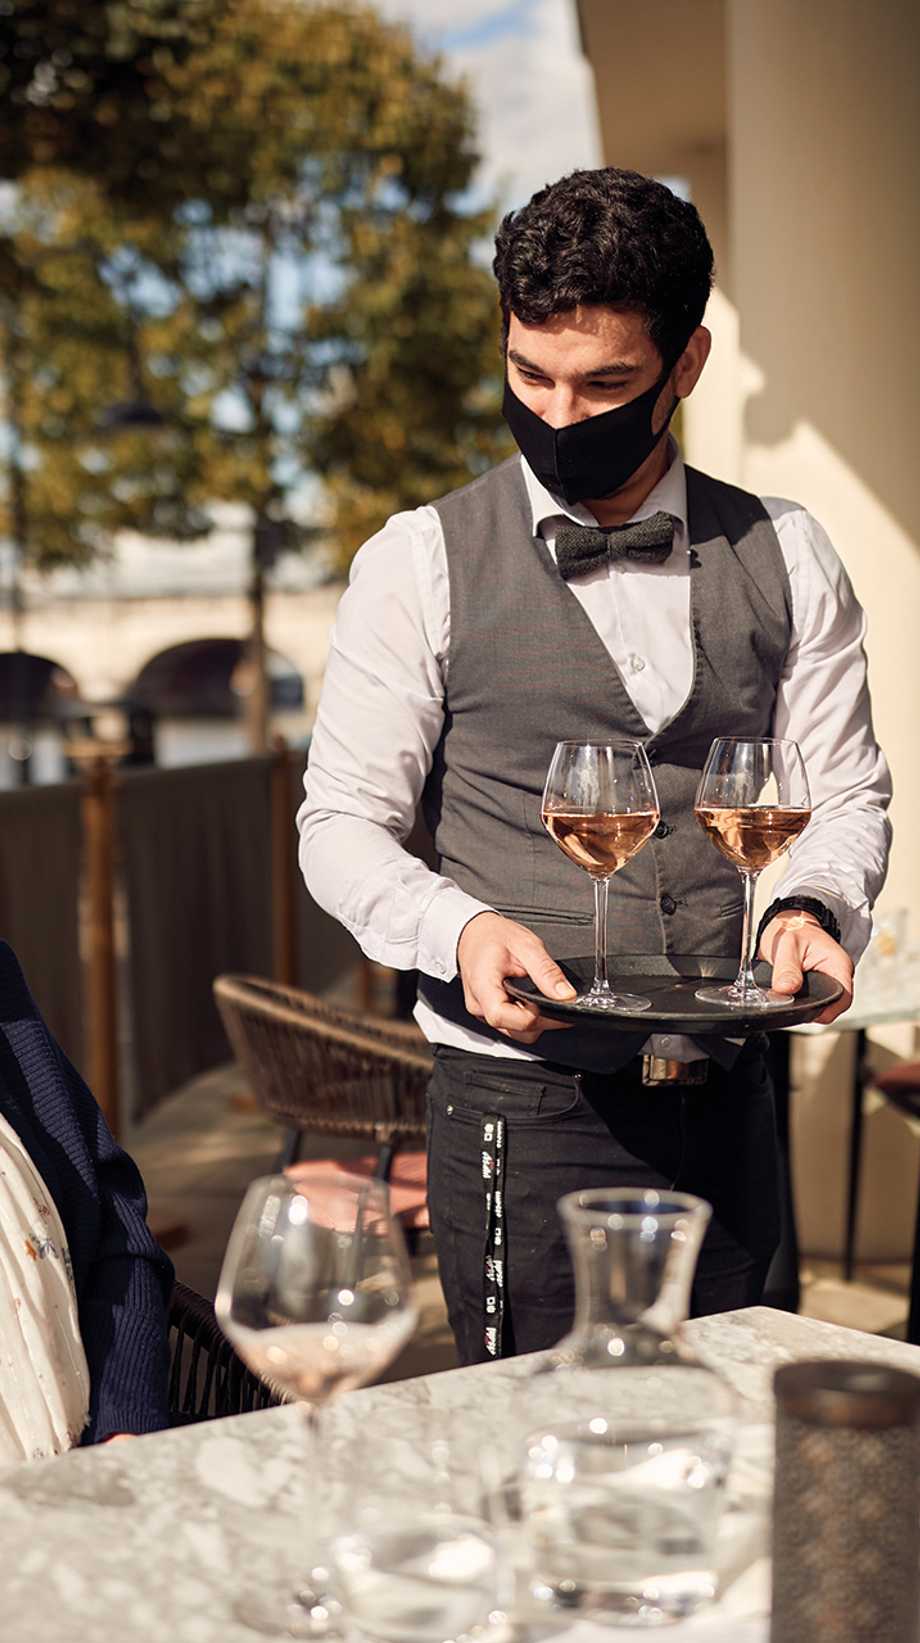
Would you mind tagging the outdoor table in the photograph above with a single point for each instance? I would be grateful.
(869, 1009)
(156, 1538)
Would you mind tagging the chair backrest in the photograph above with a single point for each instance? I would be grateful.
(206, 1378)
(317, 1066)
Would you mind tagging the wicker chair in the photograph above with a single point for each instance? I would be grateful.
(206, 1378)
(317, 1067)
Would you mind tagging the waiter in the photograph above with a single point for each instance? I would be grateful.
(482, 629)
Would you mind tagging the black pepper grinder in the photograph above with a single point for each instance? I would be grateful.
(846, 1504)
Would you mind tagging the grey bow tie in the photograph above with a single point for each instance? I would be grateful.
(583, 548)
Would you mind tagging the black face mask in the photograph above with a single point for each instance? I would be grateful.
(590, 459)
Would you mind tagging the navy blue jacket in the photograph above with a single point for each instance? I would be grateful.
(123, 1279)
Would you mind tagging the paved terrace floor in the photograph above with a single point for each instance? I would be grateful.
(202, 1146)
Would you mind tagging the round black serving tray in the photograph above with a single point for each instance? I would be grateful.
(671, 982)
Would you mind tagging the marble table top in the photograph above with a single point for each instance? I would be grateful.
(156, 1538)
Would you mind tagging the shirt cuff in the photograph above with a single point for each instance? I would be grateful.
(442, 924)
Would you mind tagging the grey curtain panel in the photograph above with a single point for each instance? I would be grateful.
(39, 902)
(196, 866)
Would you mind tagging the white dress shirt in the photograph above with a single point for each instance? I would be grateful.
(382, 709)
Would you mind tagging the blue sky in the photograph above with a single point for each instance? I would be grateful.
(495, 24)
(524, 67)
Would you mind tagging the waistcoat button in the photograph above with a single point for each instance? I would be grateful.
(668, 904)
(662, 830)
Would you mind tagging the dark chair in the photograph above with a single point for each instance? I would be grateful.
(320, 1068)
(901, 1086)
(206, 1378)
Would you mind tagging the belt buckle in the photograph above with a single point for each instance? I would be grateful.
(657, 1069)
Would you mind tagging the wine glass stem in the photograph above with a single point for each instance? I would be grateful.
(318, 1609)
(745, 978)
(600, 934)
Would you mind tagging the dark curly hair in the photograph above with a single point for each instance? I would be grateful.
(610, 238)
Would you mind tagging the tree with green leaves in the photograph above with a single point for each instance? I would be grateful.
(97, 88)
(320, 310)
(73, 337)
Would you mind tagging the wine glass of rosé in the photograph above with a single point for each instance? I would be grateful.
(600, 806)
(752, 802)
(315, 1295)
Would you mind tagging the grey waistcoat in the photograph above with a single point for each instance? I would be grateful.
(527, 669)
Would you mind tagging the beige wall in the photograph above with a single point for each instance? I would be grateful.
(824, 135)
(823, 139)
(661, 80)
(797, 127)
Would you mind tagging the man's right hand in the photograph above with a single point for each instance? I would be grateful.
(492, 947)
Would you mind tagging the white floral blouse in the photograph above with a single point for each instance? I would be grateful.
(44, 1380)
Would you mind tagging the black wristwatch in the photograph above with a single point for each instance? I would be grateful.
(800, 904)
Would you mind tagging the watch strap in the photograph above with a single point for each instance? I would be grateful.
(800, 904)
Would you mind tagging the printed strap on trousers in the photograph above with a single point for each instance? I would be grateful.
(493, 1176)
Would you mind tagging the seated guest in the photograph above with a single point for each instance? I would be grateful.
(84, 1288)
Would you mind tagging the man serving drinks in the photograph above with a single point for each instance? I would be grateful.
(592, 588)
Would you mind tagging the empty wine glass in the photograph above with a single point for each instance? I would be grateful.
(600, 806)
(314, 1294)
(752, 801)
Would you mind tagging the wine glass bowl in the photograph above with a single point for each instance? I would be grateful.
(314, 1290)
(752, 802)
(600, 807)
(599, 843)
(315, 1295)
(752, 837)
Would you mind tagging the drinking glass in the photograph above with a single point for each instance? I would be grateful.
(416, 1559)
(600, 806)
(752, 802)
(314, 1294)
(622, 1516)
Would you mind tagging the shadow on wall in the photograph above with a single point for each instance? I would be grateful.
(826, 230)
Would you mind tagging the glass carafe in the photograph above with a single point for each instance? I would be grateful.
(622, 1475)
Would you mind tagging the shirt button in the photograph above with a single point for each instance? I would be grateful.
(662, 830)
(636, 663)
(668, 904)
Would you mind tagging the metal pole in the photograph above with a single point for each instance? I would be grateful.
(102, 1001)
(257, 702)
(855, 1153)
(19, 541)
(284, 875)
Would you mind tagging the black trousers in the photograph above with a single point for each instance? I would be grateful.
(563, 1131)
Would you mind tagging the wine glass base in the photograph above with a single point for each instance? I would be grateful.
(302, 1614)
(738, 998)
(603, 998)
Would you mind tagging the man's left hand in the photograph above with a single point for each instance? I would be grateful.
(794, 942)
